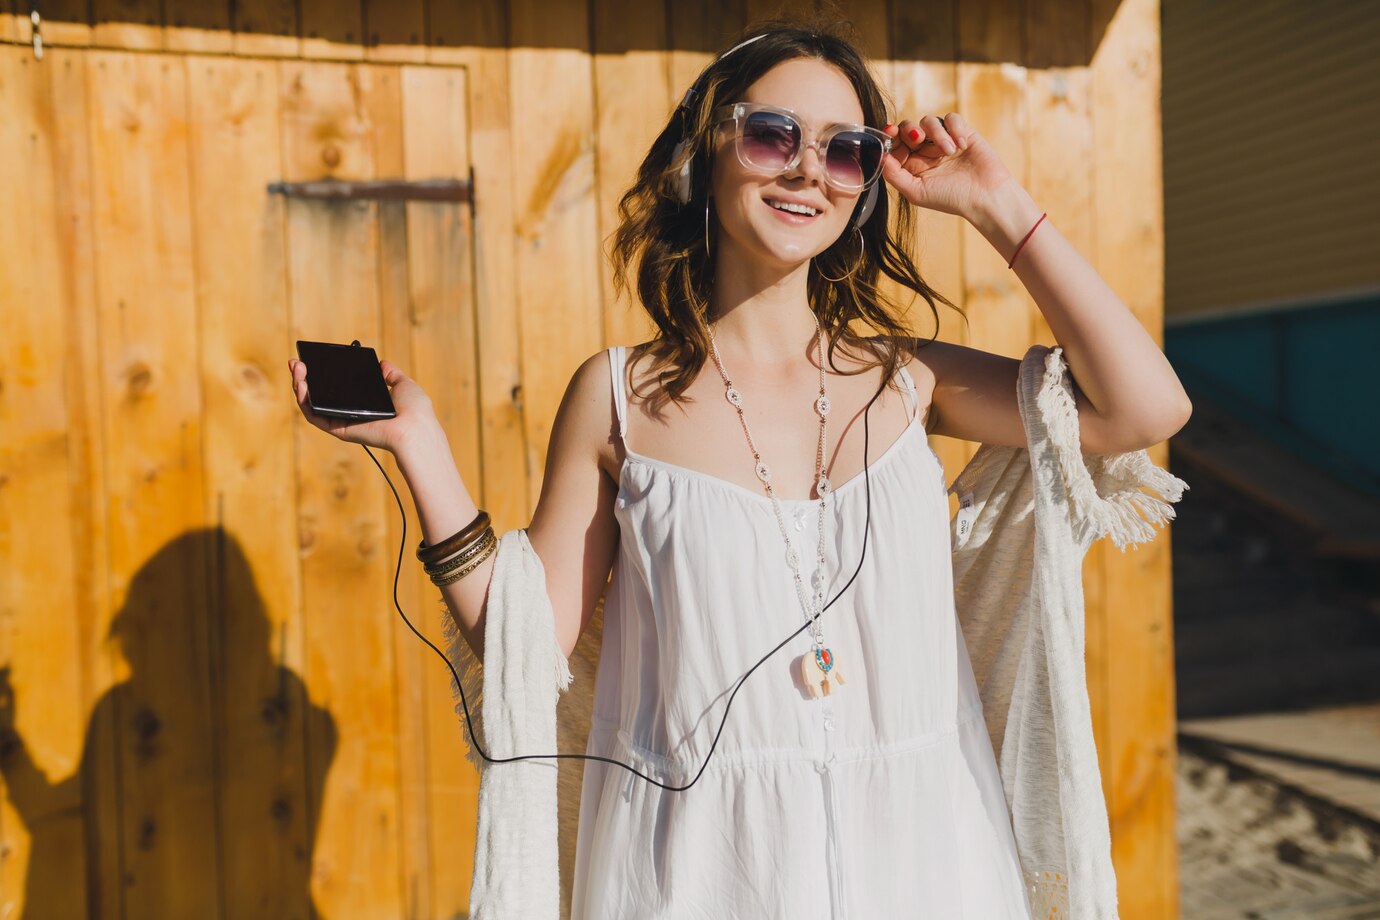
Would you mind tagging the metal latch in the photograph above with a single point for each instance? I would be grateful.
(37, 35)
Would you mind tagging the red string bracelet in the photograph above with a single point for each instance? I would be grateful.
(1027, 236)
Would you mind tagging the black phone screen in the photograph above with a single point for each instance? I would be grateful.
(344, 381)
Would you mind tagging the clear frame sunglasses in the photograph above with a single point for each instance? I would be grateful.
(771, 139)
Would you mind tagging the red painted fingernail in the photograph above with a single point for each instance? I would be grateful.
(914, 134)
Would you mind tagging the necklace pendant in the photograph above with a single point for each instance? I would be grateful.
(824, 486)
(820, 672)
(734, 396)
(822, 405)
(763, 472)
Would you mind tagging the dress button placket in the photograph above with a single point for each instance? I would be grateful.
(826, 758)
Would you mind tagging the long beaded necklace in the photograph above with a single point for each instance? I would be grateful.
(817, 669)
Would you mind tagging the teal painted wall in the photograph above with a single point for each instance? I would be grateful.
(1306, 377)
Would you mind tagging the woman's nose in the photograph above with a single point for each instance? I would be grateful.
(810, 165)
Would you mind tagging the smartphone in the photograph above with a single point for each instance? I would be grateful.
(345, 381)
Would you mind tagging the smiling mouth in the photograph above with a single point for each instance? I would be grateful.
(801, 211)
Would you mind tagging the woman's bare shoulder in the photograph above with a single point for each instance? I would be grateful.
(922, 359)
(595, 382)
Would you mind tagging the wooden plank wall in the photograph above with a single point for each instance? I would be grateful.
(173, 290)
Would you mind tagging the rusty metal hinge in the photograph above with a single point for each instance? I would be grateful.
(380, 189)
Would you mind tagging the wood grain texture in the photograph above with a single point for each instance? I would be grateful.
(328, 131)
(557, 252)
(47, 591)
(1138, 761)
(441, 318)
(924, 82)
(495, 135)
(152, 430)
(269, 803)
(299, 750)
(633, 101)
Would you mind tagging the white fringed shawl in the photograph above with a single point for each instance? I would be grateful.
(1019, 540)
(1026, 519)
(512, 699)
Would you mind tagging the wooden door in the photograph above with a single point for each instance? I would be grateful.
(214, 709)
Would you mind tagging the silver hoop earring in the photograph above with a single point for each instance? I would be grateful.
(706, 228)
(858, 262)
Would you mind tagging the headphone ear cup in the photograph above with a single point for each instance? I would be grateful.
(869, 203)
(683, 176)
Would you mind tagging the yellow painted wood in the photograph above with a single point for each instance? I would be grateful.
(633, 101)
(504, 481)
(268, 801)
(395, 346)
(441, 315)
(990, 93)
(923, 83)
(45, 586)
(496, 149)
(557, 226)
(74, 272)
(152, 436)
(333, 282)
(1138, 760)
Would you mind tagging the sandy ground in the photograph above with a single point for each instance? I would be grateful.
(1252, 847)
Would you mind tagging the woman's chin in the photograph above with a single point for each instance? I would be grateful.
(787, 250)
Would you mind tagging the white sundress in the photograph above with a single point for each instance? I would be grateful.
(882, 800)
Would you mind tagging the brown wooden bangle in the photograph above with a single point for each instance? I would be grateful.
(489, 546)
(430, 555)
(460, 558)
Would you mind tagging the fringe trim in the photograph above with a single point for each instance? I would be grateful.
(471, 671)
(563, 675)
(1048, 892)
(1126, 514)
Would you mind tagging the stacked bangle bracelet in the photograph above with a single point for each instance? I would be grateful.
(459, 554)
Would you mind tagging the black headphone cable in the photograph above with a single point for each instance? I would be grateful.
(469, 723)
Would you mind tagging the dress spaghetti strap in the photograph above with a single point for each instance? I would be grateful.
(909, 389)
(618, 356)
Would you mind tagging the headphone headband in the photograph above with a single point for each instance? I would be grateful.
(683, 189)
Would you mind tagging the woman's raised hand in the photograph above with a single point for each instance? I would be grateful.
(411, 402)
(945, 166)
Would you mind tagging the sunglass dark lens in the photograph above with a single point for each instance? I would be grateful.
(854, 158)
(770, 140)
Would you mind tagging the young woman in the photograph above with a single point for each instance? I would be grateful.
(718, 471)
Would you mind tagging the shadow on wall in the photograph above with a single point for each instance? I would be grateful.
(201, 777)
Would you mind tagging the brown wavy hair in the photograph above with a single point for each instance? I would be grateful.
(665, 239)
